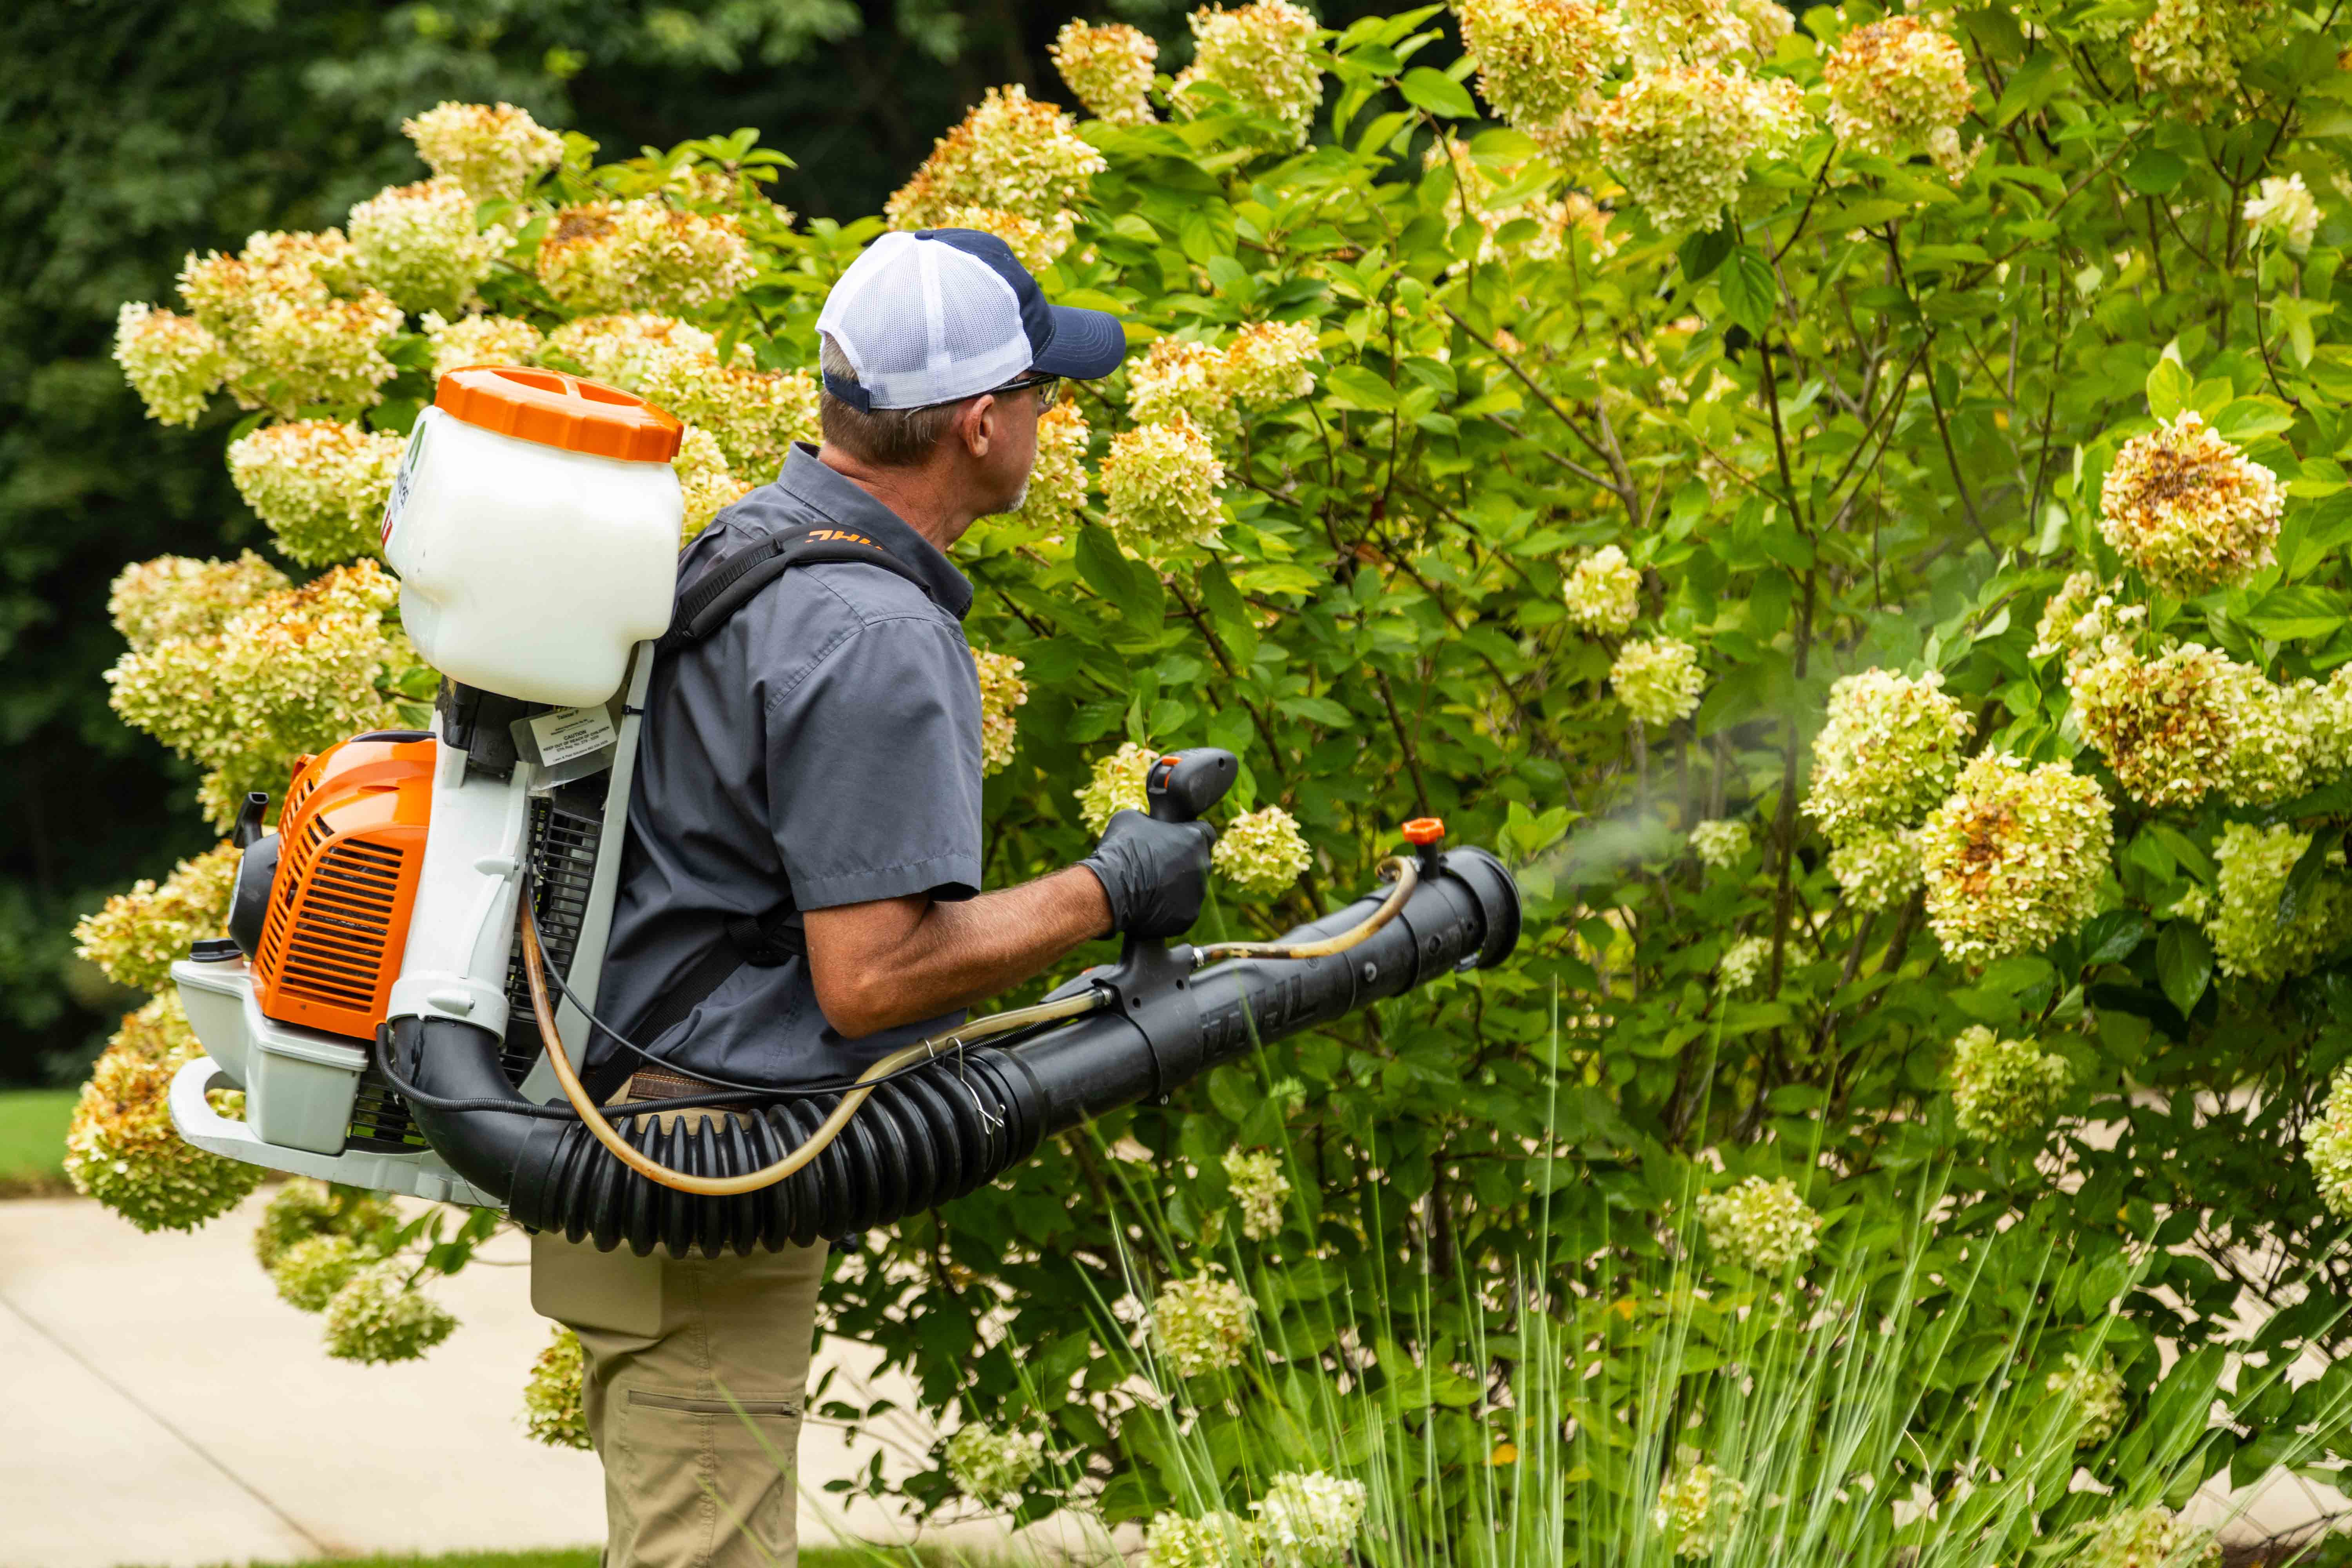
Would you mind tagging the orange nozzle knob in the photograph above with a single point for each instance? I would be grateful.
(1424, 830)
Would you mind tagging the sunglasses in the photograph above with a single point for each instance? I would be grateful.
(1046, 387)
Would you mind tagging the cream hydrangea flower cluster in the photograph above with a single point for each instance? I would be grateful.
(1059, 483)
(1212, 1540)
(1035, 243)
(755, 416)
(2191, 510)
(1743, 964)
(1656, 34)
(2283, 210)
(1718, 842)
(1109, 68)
(1012, 153)
(1899, 86)
(1262, 55)
(1603, 592)
(2151, 1537)
(171, 360)
(1260, 1187)
(1272, 363)
(419, 244)
(1002, 690)
(1887, 751)
(2080, 617)
(2251, 865)
(642, 255)
(1202, 1324)
(2097, 1394)
(307, 1274)
(1179, 377)
(295, 323)
(1878, 868)
(1681, 139)
(1698, 1508)
(2165, 726)
(120, 1147)
(1760, 1225)
(479, 339)
(379, 1315)
(490, 151)
(1116, 786)
(704, 482)
(2192, 49)
(304, 1208)
(1262, 852)
(135, 936)
(1658, 680)
(624, 348)
(2003, 1088)
(2327, 1147)
(319, 484)
(1160, 484)
(1310, 1516)
(182, 596)
(2014, 858)
(992, 1466)
(1540, 63)
(554, 1400)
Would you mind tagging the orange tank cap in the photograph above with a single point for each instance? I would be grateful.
(558, 410)
(1424, 830)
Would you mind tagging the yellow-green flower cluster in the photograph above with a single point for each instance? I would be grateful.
(1698, 1508)
(1212, 1540)
(1660, 33)
(1877, 868)
(1310, 1516)
(490, 151)
(1109, 68)
(704, 482)
(624, 349)
(755, 416)
(1260, 1187)
(294, 672)
(1719, 842)
(307, 1274)
(2097, 1394)
(1160, 484)
(2283, 210)
(303, 1208)
(379, 1315)
(1658, 680)
(1178, 376)
(418, 244)
(2274, 745)
(992, 1467)
(2191, 510)
(2190, 49)
(1262, 852)
(1603, 592)
(1271, 362)
(181, 596)
(2003, 1088)
(1202, 1324)
(171, 360)
(1059, 481)
(1262, 55)
(2079, 618)
(1680, 140)
(1116, 786)
(2251, 866)
(319, 484)
(135, 936)
(1760, 1225)
(120, 1147)
(2151, 1537)
(2165, 725)
(295, 323)
(1012, 153)
(1034, 242)
(2014, 858)
(1888, 751)
(554, 1399)
(1002, 690)
(642, 256)
(1900, 85)
(479, 339)
(1539, 63)
(1743, 964)
(2327, 1147)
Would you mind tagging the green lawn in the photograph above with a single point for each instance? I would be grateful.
(33, 1137)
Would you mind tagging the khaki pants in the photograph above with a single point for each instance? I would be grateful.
(690, 1481)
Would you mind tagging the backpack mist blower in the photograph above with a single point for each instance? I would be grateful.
(415, 953)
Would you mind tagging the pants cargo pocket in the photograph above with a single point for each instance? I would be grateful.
(706, 1483)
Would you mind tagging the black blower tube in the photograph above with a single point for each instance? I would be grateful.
(936, 1133)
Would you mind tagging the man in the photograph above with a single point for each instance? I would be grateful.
(800, 894)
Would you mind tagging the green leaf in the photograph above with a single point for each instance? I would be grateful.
(1437, 92)
(2300, 881)
(1131, 588)
(2155, 171)
(1703, 252)
(1355, 386)
(2168, 388)
(2112, 936)
(2286, 615)
(1750, 290)
(2245, 418)
(2184, 963)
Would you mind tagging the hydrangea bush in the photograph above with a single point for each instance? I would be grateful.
(1851, 506)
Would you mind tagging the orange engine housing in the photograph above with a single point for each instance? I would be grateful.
(351, 847)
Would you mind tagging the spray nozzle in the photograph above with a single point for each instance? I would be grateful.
(1425, 833)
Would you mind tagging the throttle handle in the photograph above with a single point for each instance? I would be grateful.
(1180, 787)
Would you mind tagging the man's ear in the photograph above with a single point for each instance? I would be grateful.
(977, 425)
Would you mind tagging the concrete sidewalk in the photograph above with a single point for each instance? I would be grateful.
(163, 1407)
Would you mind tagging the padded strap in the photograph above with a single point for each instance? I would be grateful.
(728, 586)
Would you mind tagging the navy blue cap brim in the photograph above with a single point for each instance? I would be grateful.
(1085, 344)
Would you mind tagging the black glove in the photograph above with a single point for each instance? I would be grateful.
(1155, 873)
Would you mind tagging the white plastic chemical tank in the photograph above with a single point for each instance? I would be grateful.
(535, 527)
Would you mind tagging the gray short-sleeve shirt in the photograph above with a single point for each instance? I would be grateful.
(826, 740)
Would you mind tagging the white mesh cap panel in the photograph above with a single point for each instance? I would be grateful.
(924, 322)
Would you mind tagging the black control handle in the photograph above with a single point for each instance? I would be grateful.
(247, 832)
(1181, 786)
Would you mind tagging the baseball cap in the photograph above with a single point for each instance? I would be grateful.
(940, 314)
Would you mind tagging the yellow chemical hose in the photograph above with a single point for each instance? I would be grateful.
(1407, 876)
